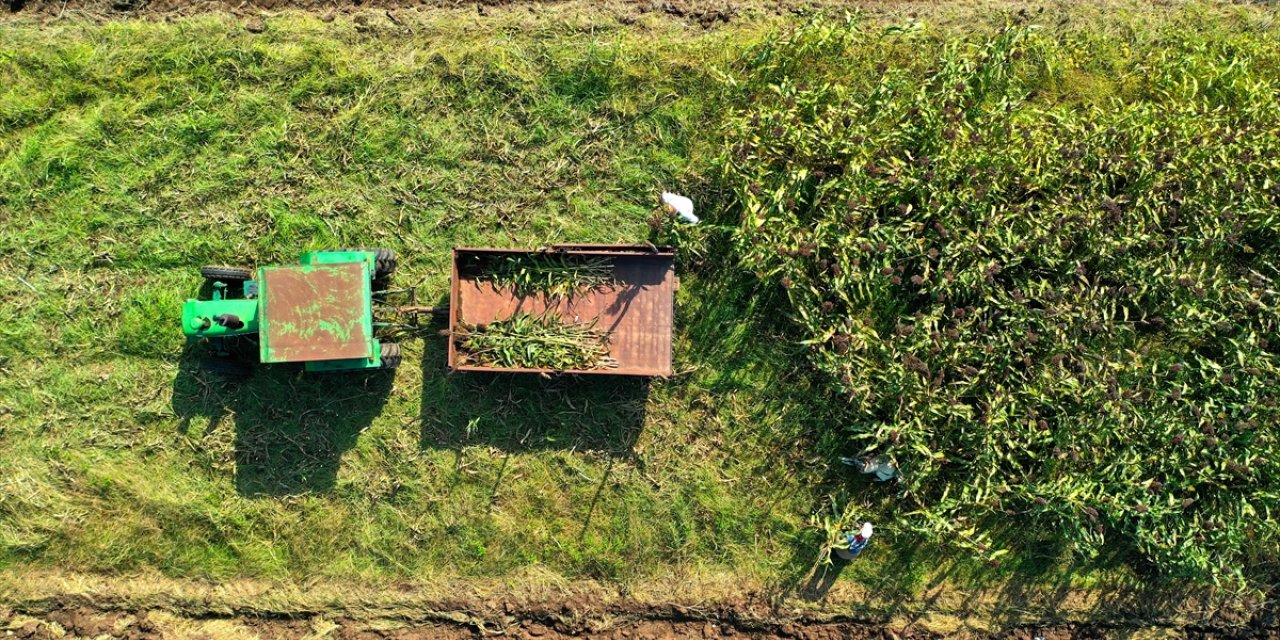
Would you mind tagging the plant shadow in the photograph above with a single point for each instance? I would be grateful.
(291, 428)
(736, 339)
(1039, 583)
(821, 578)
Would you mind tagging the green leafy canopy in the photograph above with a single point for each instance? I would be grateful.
(1060, 314)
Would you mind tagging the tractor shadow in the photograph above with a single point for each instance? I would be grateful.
(291, 429)
(527, 412)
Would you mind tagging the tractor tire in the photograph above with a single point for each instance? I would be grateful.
(384, 261)
(226, 274)
(226, 367)
(390, 356)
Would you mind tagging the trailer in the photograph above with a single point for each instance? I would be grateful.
(636, 309)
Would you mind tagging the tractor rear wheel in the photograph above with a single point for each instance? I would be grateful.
(384, 262)
(226, 367)
(226, 274)
(390, 355)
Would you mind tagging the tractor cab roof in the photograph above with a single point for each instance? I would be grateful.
(316, 312)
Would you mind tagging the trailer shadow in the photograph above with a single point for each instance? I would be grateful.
(527, 412)
(290, 429)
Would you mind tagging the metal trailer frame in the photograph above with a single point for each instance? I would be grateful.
(638, 313)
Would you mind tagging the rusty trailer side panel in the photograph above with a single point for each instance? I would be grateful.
(315, 312)
(638, 312)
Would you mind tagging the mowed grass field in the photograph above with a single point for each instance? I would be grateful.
(132, 153)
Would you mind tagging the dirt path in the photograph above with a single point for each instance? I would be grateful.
(188, 7)
(83, 622)
(146, 625)
(705, 11)
(534, 604)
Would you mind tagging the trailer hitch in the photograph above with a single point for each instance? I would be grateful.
(399, 309)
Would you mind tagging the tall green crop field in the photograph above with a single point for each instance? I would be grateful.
(1041, 272)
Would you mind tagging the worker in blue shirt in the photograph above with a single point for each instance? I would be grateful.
(854, 543)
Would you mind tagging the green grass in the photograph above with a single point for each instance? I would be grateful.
(132, 153)
(135, 152)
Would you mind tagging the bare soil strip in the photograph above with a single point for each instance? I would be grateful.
(705, 12)
(146, 625)
(64, 605)
(191, 7)
(85, 622)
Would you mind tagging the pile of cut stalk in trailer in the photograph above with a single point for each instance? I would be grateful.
(582, 309)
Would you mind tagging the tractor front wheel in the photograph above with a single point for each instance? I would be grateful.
(226, 274)
(390, 355)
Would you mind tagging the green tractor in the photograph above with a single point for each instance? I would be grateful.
(318, 312)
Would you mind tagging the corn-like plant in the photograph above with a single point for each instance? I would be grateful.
(1052, 314)
(550, 274)
(528, 341)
